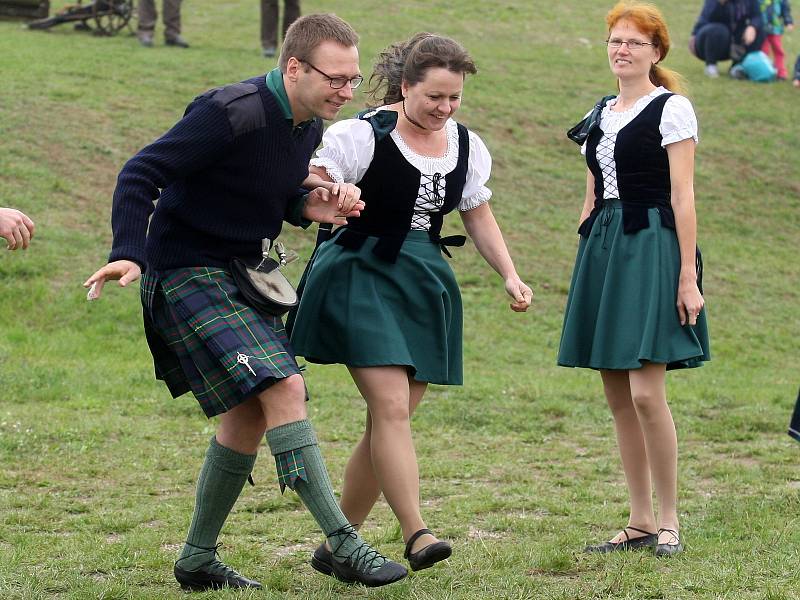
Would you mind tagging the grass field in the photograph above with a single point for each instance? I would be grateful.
(519, 467)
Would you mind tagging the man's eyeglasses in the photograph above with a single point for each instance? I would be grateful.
(632, 44)
(338, 83)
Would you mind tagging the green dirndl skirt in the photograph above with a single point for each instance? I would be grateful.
(361, 311)
(621, 309)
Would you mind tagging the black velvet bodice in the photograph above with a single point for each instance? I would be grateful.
(390, 187)
(642, 169)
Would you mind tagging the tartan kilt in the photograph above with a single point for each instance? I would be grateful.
(206, 339)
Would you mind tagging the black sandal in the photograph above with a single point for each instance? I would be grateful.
(647, 540)
(427, 556)
(669, 549)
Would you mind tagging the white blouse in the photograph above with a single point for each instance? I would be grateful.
(348, 147)
(678, 123)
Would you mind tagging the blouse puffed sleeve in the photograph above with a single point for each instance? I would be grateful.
(479, 168)
(678, 121)
(347, 150)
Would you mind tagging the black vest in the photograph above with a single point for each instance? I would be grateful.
(390, 188)
(642, 164)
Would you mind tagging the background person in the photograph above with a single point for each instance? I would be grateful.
(777, 15)
(636, 261)
(16, 228)
(726, 30)
(269, 23)
(379, 297)
(796, 76)
(229, 172)
(171, 15)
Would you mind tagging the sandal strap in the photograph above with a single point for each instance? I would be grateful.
(639, 530)
(675, 535)
(414, 537)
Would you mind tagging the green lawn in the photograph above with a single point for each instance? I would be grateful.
(519, 467)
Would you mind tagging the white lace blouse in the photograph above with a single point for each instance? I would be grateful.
(348, 147)
(678, 123)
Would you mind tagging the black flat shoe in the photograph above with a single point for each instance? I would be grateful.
(213, 576)
(669, 549)
(427, 556)
(350, 572)
(648, 540)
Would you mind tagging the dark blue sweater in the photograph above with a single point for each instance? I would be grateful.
(229, 173)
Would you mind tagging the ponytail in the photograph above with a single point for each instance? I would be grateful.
(672, 80)
(387, 74)
(410, 60)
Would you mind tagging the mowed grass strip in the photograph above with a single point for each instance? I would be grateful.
(519, 466)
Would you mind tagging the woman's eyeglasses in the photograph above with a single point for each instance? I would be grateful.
(632, 44)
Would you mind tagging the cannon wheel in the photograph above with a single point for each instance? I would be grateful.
(112, 15)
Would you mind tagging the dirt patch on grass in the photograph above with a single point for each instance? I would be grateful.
(482, 534)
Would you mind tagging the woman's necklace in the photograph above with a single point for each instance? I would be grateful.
(409, 119)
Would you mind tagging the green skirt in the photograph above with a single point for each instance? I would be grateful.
(361, 311)
(621, 310)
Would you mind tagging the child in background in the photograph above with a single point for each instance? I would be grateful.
(777, 17)
(796, 81)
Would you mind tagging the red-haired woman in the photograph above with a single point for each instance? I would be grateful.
(635, 309)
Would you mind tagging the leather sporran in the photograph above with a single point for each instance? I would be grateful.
(263, 285)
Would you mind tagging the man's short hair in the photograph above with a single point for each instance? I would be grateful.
(309, 31)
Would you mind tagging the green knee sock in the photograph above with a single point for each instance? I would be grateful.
(300, 466)
(221, 481)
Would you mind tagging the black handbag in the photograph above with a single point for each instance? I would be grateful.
(581, 131)
(263, 285)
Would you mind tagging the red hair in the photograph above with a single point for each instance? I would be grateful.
(649, 20)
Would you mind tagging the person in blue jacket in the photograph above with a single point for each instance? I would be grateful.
(726, 30)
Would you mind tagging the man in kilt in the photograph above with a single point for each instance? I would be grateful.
(226, 176)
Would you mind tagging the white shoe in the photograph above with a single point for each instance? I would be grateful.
(712, 71)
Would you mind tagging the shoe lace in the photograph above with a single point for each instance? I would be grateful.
(363, 556)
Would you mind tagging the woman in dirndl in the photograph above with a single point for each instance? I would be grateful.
(378, 296)
(635, 307)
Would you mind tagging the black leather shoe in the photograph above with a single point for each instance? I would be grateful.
(673, 547)
(427, 556)
(358, 567)
(213, 576)
(176, 41)
(648, 540)
(321, 560)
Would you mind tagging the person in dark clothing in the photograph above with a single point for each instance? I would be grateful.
(796, 77)
(726, 30)
(229, 172)
(170, 13)
(269, 23)
(794, 425)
